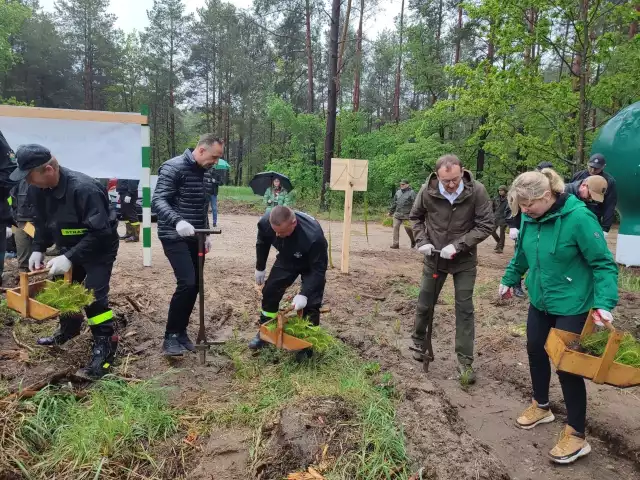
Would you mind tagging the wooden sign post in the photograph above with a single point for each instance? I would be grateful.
(350, 176)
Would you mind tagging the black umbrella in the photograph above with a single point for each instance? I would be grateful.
(263, 180)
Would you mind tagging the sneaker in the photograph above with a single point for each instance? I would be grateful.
(186, 342)
(395, 247)
(466, 375)
(535, 415)
(171, 347)
(570, 447)
(256, 342)
(498, 250)
(518, 292)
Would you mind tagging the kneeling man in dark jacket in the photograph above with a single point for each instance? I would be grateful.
(181, 203)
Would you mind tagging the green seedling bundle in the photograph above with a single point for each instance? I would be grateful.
(66, 297)
(303, 329)
(628, 353)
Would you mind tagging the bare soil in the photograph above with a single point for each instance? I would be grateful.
(451, 433)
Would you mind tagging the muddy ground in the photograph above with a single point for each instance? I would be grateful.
(451, 433)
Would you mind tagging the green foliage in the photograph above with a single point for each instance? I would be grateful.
(66, 297)
(115, 423)
(12, 15)
(302, 328)
(627, 354)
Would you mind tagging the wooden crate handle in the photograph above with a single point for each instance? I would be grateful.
(613, 344)
(24, 286)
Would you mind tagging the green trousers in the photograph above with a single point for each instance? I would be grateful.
(430, 288)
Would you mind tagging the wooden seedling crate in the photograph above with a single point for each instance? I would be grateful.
(281, 339)
(22, 298)
(598, 369)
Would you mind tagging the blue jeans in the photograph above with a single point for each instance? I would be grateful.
(214, 209)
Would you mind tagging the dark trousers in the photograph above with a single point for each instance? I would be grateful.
(500, 238)
(3, 246)
(128, 210)
(463, 283)
(573, 388)
(23, 247)
(183, 257)
(280, 278)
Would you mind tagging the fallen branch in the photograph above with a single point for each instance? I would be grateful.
(373, 297)
(19, 343)
(31, 390)
(133, 303)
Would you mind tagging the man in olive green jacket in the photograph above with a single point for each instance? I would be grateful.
(400, 210)
(452, 213)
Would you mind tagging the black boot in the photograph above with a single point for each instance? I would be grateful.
(70, 327)
(104, 353)
(127, 233)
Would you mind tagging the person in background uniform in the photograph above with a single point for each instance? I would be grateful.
(571, 271)
(276, 194)
(24, 212)
(400, 209)
(500, 212)
(302, 251)
(543, 165)
(128, 192)
(85, 228)
(212, 183)
(452, 213)
(591, 191)
(605, 211)
(513, 222)
(181, 204)
(7, 164)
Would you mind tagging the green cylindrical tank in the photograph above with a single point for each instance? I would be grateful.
(619, 142)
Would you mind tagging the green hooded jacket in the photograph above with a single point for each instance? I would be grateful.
(571, 269)
(272, 197)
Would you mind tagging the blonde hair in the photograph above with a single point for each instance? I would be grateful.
(531, 186)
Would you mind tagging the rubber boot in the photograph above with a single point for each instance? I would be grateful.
(135, 234)
(127, 233)
(256, 342)
(105, 345)
(70, 327)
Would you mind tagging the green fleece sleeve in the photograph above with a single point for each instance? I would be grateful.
(593, 246)
(517, 267)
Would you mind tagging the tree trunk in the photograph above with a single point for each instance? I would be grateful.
(582, 112)
(564, 51)
(358, 72)
(458, 37)
(331, 100)
(633, 28)
(343, 44)
(172, 116)
(438, 31)
(396, 96)
(309, 58)
(480, 158)
(240, 146)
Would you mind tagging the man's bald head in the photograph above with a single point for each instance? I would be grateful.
(283, 221)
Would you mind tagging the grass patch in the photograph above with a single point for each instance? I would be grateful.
(269, 382)
(238, 194)
(66, 297)
(408, 290)
(106, 434)
(629, 280)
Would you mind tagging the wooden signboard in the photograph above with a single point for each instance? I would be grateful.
(348, 175)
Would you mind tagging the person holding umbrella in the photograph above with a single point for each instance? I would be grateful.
(276, 194)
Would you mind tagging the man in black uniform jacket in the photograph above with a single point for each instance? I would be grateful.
(302, 250)
(84, 226)
(128, 191)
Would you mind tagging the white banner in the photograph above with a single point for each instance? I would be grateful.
(97, 149)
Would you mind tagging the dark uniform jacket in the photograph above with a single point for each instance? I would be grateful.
(605, 211)
(500, 210)
(180, 195)
(83, 223)
(211, 182)
(402, 203)
(126, 187)
(7, 165)
(305, 250)
(23, 198)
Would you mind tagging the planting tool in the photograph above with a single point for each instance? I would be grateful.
(202, 345)
(22, 299)
(426, 351)
(280, 339)
(598, 369)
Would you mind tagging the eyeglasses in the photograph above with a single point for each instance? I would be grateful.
(453, 181)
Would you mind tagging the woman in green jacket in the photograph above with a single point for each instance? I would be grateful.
(570, 271)
(276, 195)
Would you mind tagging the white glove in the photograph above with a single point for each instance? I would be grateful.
(36, 261)
(260, 276)
(207, 244)
(606, 234)
(9, 233)
(127, 199)
(513, 234)
(426, 249)
(59, 265)
(185, 229)
(600, 316)
(448, 252)
(503, 290)
(299, 302)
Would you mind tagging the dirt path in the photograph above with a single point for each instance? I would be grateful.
(452, 433)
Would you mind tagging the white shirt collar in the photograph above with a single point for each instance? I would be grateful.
(451, 196)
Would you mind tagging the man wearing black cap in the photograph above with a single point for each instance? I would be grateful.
(84, 226)
(543, 165)
(607, 209)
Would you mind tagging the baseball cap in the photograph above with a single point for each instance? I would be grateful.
(597, 161)
(29, 157)
(405, 181)
(597, 187)
(542, 165)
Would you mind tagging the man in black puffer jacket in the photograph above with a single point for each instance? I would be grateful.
(181, 203)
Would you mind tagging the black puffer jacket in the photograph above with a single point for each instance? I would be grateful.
(211, 182)
(180, 195)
